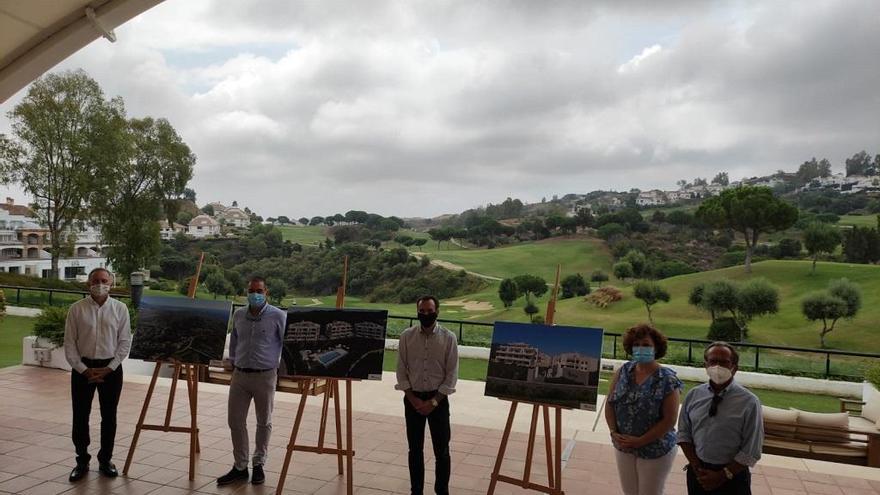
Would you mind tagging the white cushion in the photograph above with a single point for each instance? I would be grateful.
(871, 398)
(786, 444)
(776, 415)
(852, 449)
(862, 425)
(825, 420)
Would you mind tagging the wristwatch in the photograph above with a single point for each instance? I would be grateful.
(728, 473)
(434, 402)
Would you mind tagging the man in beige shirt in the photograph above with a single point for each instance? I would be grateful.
(427, 371)
(97, 338)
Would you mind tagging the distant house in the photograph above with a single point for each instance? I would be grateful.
(651, 198)
(24, 243)
(203, 226)
(218, 207)
(234, 216)
(855, 184)
(676, 196)
(167, 231)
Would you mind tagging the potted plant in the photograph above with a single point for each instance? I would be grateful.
(46, 346)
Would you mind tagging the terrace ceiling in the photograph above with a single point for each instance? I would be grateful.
(35, 35)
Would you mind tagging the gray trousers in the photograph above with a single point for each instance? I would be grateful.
(245, 387)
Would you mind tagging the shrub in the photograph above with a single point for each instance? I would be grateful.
(598, 276)
(724, 329)
(610, 230)
(605, 296)
(50, 324)
(787, 248)
(872, 374)
(623, 270)
(666, 269)
(2, 304)
(574, 285)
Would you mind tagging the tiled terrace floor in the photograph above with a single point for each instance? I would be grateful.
(36, 454)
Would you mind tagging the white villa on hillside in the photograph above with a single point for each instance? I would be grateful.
(24, 246)
(203, 226)
(168, 231)
(217, 206)
(651, 198)
(234, 216)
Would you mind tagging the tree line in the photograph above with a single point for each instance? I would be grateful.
(85, 161)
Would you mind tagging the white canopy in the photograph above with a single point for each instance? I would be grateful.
(35, 35)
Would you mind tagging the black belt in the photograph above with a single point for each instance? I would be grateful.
(252, 370)
(425, 395)
(96, 363)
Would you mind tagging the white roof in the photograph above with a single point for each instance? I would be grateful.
(35, 35)
(203, 220)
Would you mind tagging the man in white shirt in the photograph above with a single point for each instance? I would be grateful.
(97, 337)
(427, 371)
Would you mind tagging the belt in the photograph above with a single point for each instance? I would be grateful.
(95, 363)
(425, 395)
(252, 370)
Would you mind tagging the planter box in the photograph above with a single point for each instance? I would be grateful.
(40, 352)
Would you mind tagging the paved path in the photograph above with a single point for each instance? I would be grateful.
(36, 455)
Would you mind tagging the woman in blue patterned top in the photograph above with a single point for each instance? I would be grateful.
(641, 413)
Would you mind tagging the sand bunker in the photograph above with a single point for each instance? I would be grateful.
(470, 305)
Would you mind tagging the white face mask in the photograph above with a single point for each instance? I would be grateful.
(719, 374)
(99, 290)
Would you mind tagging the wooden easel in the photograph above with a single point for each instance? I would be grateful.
(191, 373)
(554, 455)
(330, 391)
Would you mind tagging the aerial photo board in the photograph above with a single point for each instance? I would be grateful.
(188, 330)
(334, 343)
(545, 364)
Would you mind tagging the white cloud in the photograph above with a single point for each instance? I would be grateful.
(634, 62)
(424, 107)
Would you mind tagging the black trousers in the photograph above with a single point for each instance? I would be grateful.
(81, 393)
(438, 422)
(741, 484)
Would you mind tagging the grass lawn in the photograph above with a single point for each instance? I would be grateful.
(576, 254)
(475, 369)
(12, 330)
(859, 220)
(303, 234)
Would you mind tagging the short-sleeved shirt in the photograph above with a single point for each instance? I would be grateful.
(638, 408)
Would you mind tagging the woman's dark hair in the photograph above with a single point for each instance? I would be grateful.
(641, 331)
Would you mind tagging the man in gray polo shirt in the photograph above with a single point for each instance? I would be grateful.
(720, 428)
(254, 352)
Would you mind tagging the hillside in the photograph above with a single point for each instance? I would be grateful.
(788, 327)
(576, 254)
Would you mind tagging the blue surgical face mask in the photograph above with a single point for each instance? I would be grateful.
(643, 354)
(256, 299)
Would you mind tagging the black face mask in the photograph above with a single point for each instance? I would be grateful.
(427, 319)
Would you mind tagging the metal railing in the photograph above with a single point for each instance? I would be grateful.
(789, 360)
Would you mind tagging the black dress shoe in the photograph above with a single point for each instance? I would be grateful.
(258, 477)
(233, 476)
(78, 473)
(108, 469)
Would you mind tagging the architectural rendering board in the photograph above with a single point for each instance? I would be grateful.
(191, 331)
(545, 364)
(334, 343)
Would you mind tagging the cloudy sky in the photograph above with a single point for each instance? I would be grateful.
(417, 108)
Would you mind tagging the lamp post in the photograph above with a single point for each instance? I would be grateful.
(137, 288)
